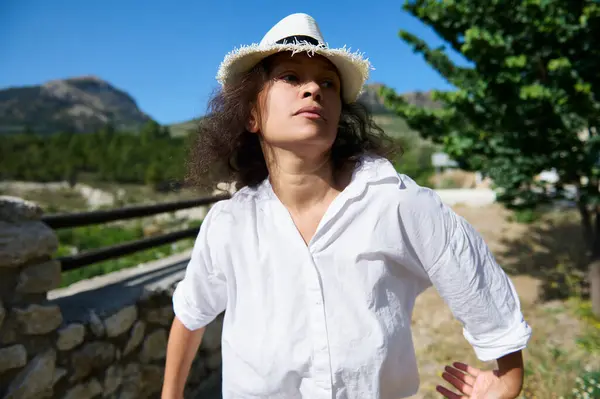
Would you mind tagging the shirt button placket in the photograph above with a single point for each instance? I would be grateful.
(321, 362)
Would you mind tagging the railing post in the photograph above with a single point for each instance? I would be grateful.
(28, 324)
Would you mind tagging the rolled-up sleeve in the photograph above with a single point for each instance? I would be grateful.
(460, 265)
(202, 294)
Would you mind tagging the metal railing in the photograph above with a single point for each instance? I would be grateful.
(68, 220)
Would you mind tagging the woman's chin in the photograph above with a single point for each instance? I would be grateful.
(310, 131)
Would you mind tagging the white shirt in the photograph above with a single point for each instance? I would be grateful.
(332, 319)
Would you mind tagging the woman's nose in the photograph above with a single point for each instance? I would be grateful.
(312, 89)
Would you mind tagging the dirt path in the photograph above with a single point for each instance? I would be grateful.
(438, 336)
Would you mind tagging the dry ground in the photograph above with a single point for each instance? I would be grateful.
(553, 357)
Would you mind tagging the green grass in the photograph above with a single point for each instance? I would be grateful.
(133, 260)
(555, 366)
(587, 386)
(92, 237)
(525, 216)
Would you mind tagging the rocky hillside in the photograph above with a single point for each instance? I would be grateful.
(371, 98)
(81, 104)
(85, 104)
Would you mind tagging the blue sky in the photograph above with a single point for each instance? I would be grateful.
(166, 53)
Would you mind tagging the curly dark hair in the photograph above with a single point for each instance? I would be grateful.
(224, 151)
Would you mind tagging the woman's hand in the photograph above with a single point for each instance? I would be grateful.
(474, 383)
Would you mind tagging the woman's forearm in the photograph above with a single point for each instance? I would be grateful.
(181, 349)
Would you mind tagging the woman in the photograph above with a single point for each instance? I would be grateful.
(319, 256)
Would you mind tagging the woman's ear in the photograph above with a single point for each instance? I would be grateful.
(253, 125)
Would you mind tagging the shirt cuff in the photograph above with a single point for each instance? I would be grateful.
(184, 311)
(492, 346)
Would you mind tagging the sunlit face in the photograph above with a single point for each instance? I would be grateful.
(299, 108)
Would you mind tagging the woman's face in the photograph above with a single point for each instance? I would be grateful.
(299, 108)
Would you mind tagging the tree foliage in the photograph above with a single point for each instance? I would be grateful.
(527, 101)
(151, 157)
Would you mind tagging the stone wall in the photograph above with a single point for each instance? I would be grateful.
(101, 341)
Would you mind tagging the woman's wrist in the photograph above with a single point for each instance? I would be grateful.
(511, 372)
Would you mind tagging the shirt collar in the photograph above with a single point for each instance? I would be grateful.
(369, 170)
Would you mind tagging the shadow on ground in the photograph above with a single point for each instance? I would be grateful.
(552, 249)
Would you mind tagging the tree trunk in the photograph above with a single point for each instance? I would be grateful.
(594, 266)
(594, 270)
(586, 223)
(591, 232)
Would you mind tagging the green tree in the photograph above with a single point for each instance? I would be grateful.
(107, 131)
(150, 131)
(528, 102)
(415, 161)
(105, 155)
(154, 174)
(28, 130)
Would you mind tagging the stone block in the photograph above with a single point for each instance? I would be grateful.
(198, 371)
(113, 379)
(59, 373)
(211, 340)
(34, 380)
(70, 336)
(213, 361)
(152, 378)
(2, 313)
(47, 394)
(155, 346)
(14, 209)
(96, 355)
(38, 319)
(135, 337)
(36, 344)
(87, 390)
(8, 283)
(132, 381)
(162, 316)
(12, 357)
(39, 278)
(96, 324)
(23, 242)
(121, 321)
(8, 331)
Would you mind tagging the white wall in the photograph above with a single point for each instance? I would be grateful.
(471, 197)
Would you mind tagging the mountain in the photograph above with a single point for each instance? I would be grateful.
(79, 104)
(183, 128)
(87, 103)
(391, 123)
(374, 101)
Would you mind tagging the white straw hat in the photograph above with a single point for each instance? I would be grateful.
(298, 33)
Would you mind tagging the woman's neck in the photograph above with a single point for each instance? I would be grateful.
(301, 182)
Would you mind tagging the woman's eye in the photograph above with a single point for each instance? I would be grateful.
(289, 78)
(328, 83)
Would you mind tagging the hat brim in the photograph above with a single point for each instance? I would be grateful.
(352, 66)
